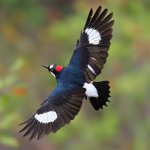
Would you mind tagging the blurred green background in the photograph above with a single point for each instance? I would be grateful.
(36, 32)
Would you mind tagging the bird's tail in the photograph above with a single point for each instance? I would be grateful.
(103, 95)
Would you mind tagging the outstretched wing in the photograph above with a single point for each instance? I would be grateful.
(54, 113)
(92, 49)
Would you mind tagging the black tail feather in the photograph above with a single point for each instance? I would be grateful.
(103, 92)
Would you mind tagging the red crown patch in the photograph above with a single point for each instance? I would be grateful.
(59, 68)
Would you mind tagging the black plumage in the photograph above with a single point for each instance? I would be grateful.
(67, 108)
(103, 91)
(103, 24)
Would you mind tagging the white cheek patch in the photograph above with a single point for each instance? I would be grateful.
(91, 91)
(94, 36)
(53, 74)
(47, 117)
(91, 69)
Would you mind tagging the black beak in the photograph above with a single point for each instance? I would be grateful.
(45, 66)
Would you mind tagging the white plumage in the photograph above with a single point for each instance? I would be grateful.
(47, 117)
(91, 91)
(90, 68)
(51, 66)
(94, 36)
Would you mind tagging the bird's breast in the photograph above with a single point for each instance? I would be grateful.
(71, 76)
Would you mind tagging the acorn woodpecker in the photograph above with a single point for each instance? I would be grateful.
(76, 81)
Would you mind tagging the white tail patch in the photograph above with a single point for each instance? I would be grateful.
(47, 117)
(90, 68)
(94, 36)
(91, 91)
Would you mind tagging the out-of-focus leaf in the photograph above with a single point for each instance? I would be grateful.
(19, 91)
(1, 83)
(9, 81)
(7, 120)
(17, 65)
(9, 141)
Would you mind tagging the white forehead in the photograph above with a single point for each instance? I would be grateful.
(51, 66)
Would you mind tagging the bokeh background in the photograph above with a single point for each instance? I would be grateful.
(39, 32)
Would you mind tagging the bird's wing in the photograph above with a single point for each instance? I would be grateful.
(92, 49)
(54, 113)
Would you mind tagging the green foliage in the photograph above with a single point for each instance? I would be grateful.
(10, 141)
(8, 109)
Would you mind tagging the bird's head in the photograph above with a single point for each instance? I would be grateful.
(54, 69)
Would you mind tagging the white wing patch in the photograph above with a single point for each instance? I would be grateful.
(47, 117)
(90, 68)
(94, 36)
(91, 91)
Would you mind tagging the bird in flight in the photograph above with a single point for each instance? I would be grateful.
(75, 82)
